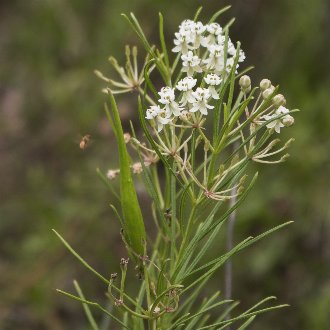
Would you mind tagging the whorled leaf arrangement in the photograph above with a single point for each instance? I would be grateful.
(205, 133)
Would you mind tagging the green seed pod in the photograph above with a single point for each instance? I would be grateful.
(133, 225)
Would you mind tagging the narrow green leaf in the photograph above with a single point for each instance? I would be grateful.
(205, 309)
(162, 41)
(245, 316)
(218, 13)
(247, 323)
(225, 314)
(87, 310)
(180, 321)
(115, 211)
(216, 266)
(147, 79)
(91, 303)
(68, 246)
(198, 11)
(106, 181)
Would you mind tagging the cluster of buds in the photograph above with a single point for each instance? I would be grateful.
(277, 114)
(124, 262)
(207, 57)
(136, 169)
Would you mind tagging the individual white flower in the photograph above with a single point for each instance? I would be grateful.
(231, 48)
(214, 30)
(191, 63)
(221, 40)
(278, 123)
(153, 111)
(182, 43)
(216, 59)
(230, 63)
(186, 85)
(199, 29)
(167, 97)
(213, 79)
(162, 119)
(241, 56)
(282, 110)
(185, 38)
(201, 96)
(187, 26)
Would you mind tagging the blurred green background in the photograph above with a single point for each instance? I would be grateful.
(49, 97)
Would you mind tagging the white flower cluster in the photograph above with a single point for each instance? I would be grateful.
(202, 49)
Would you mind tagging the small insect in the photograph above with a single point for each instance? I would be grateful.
(168, 214)
(84, 142)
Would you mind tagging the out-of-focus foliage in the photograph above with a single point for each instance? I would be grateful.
(49, 97)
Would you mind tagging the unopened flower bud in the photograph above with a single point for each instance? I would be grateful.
(127, 137)
(288, 120)
(285, 157)
(134, 51)
(243, 179)
(247, 90)
(264, 84)
(156, 310)
(245, 83)
(111, 174)
(221, 169)
(124, 261)
(268, 92)
(240, 190)
(279, 100)
(287, 144)
(137, 168)
(127, 51)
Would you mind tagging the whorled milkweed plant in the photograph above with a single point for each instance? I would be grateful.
(202, 130)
